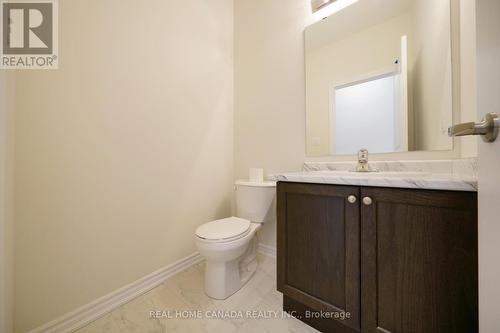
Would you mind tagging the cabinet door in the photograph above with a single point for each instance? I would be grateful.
(318, 250)
(419, 261)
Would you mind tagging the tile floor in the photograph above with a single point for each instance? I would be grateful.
(182, 295)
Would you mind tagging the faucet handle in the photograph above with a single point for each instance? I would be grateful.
(363, 165)
(363, 155)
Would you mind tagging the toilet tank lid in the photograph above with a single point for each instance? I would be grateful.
(223, 229)
(265, 183)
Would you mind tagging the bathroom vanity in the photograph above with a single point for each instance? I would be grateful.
(364, 258)
(393, 251)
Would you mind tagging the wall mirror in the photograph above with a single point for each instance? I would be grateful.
(379, 76)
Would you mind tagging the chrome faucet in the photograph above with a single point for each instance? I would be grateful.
(363, 165)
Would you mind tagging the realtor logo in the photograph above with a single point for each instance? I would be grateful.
(29, 34)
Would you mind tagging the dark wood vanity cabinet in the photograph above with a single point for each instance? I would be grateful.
(403, 261)
(319, 249)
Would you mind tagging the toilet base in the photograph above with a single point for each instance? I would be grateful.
(224, 278)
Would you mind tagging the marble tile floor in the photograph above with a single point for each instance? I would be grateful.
(183, 307)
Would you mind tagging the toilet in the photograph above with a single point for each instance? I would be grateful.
(229, 245)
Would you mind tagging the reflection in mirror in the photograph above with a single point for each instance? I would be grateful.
(379, 76)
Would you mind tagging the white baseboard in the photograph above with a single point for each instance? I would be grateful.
(267, 250)
(86, 314)
(93, 310)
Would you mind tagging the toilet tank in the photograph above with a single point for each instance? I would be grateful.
(255, 200)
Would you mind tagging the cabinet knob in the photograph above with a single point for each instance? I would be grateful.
(367, 201)
(352, 199)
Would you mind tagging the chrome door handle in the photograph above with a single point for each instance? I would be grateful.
(352, 199)
(488, 128)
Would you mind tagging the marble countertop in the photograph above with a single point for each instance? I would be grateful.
(453, 175)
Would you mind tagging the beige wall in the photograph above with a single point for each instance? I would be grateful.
(123, 151)
(7, 104)
(269, 88)
(432, 74)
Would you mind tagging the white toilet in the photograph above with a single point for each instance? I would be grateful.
(229, 245)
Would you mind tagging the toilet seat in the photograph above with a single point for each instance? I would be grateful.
(224, 230)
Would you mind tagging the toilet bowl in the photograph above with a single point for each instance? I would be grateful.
(229, 245)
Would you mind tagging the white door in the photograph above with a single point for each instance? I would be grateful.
(488, 59)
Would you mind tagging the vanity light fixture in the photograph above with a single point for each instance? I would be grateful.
(319, 4)
(325, 8)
